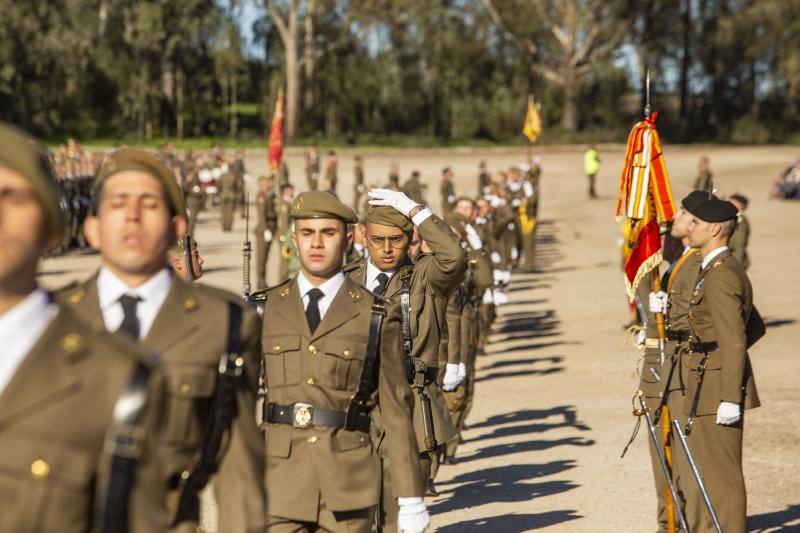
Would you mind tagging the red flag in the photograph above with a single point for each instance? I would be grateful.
(276, 135)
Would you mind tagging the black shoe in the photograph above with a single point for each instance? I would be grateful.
(431, 490)
(448, 461)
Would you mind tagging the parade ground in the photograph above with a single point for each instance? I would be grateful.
(552, 411)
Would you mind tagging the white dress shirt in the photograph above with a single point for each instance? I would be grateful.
(371, 281)
(152, 294)
(329, 290)
(20, 328)
(710, 257)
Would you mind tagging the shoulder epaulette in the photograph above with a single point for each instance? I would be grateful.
(353, 265)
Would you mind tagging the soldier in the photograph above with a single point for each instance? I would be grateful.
(358, 188)
(332, 172)
(138, 214)
(678, 283)
(591, 166)
(484, 178)
(312, 176)
(705, 179)
(188, 266)
(413, 188)
(239, 172)
(394, 177)
(195, 196)
(284, 229)
(266, 225)
(717, 372)
(228, 194)
(447, 192)
(741, 237)
(63, 385)
(426, 285)
(324, 339)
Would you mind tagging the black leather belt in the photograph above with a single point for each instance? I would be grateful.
(702, 347)
(304, 416)
(679, 335)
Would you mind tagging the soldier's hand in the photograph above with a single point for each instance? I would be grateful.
(395, 199)
(267, 235)
(658, 302)
(473, 238)
(462, 372)
(413, 516)
(496, 257)
(728, 413)
(451, 379)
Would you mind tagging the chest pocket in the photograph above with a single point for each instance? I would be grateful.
(44, 485)
(282, 360)
(341, 363)
(189, 392)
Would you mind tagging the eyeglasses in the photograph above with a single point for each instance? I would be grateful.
(395, 241)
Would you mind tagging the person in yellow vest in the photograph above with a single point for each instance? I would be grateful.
(591, 166)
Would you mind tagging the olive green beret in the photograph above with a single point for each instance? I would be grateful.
(321, 204)
(126, 158)
(24, 155)
(389, 216)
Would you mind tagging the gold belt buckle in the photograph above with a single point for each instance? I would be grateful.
(303, 415)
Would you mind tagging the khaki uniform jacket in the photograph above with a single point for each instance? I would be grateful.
(434, 277)
(739, 240)
(284, 207)
(54, 417)
(720, 309)
(190, 333)
(266, 214)
(340, 468)
(413, 189)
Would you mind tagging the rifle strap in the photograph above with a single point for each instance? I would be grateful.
(367, 383)
(220, 417)
(405, 306)
(124, 443)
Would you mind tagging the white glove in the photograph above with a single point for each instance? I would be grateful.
(515, 202)
(451, 379)
(413, 516)
(451, 199)
(658, 302)
(487, 297)
(395, 199)
(728, 413)
(496, 257)
(267, 235)
(473, 238)
(498, 276)
(514, 253)
(462, 372)
(500, 298)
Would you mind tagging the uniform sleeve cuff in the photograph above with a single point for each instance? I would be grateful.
(421, 216)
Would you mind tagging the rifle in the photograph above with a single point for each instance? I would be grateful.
(246, 250)
(187, 257)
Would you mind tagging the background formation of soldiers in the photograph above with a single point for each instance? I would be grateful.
(325, 402)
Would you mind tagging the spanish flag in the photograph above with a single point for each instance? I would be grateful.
(533, 121)
(276, 135)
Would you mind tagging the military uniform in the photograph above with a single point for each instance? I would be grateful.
(359, 190)
(447, 195)
(238, 171)
(284, 238)
(266, 226)
(704, 181)
(413, 189)
(739, 240)
(228, 195)
(720, 309)
(195, 200)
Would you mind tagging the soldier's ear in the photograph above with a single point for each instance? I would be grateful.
(91, 230)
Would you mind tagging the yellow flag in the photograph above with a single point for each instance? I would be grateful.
(533, 121)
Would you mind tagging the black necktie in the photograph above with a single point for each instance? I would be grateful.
(312, 310)
(130, 322)
(383, 282)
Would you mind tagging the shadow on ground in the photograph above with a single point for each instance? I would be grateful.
(513, 523)
(777, 521)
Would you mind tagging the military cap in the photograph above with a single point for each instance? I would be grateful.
(715, 210)
(321, 204)
(389, 216)
(693, 199)
(24, 155)
(125, 158)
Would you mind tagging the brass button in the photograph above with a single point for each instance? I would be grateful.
(347, 354)
(239, 361)
(362, 440)
(184, 389)
(312, 439)
(276, 348)
(40, 469)
(311, 381)
(312, 348)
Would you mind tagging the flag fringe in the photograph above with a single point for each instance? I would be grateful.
(647, 265)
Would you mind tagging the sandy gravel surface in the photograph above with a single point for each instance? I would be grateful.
(552, 411)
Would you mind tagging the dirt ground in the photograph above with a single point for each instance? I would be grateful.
(553, 405)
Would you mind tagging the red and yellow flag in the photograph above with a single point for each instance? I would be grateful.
(533, 121)
(644, 200)
(276, 135)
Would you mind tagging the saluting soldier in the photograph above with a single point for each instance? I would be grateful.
(333, 357)
(717, 372)
(63, 465)
(138, 214)
(266, 225)
(228, 196)
(678, 283)
(283, 229)
(426, 284)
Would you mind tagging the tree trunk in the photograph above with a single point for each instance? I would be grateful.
(234, 125)
(685, 61)
(569, 117)
(179, 88)
(292, 90)
(308, 55)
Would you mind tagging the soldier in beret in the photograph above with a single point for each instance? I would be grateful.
(333, 361)
(138, 214)
(717, 372)
(426, 283)
(62, 383)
